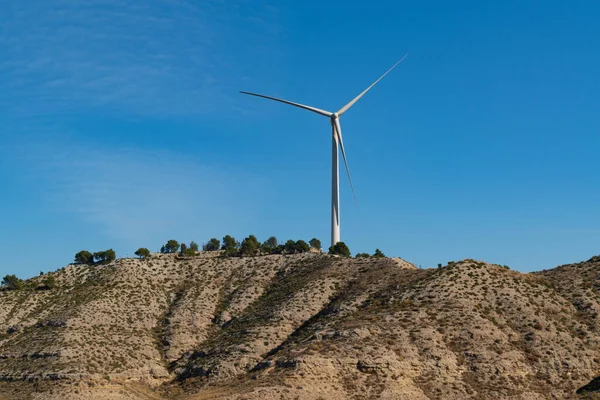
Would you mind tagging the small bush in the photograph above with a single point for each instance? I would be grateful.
(48, 283)
(230, 252)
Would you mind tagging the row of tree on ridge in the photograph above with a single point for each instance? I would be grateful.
(229, 247)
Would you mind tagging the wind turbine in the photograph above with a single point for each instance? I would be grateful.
(337, 142)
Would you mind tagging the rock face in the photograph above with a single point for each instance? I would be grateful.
(303, 326)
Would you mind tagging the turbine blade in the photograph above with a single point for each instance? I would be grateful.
(347, 106)
(338, 130)
(309, 108)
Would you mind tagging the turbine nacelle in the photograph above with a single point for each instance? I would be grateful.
(334, 116)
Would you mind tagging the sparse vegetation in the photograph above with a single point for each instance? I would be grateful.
(48, 283)
(199, 314)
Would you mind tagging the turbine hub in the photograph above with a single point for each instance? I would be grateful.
(334, 115)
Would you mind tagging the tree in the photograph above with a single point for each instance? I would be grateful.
(272, 242)
(340, 249)
(213, 245)
(162, 249)
(249, 246)
(315, 243)
(229, 242)
(172, 246)
(378, 253)
(188, 251)
(302, 246)
(104, 257)
(142, 252)
(362, 255)
(11, 282)
(231, 252)
(194, 246)
(265, 248)
(84, 257)
(290, 247)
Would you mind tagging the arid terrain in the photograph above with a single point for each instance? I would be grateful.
(305, 326)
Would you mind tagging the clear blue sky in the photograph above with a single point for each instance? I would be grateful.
(121, 126)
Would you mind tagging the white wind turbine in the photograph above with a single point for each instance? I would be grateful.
(336, 141)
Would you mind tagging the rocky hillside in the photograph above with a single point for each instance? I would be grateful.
(307, 326)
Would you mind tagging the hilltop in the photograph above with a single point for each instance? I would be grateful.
(304, 326)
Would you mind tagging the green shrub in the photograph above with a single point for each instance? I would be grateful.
(229, 242)
(84, 257)
(378, 253)
(188, 251)
(142, 252)
(11, 282)
(231, 252)
(302, 246)
(104, 257)
(48, 283)
(315, 243)
(249, 246)
(290, 247)
(340, 249)
(213, 245)
(171, 247)
(272, 242)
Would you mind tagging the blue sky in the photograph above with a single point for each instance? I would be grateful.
(122, 127)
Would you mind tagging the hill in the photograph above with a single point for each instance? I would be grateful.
(304, 326)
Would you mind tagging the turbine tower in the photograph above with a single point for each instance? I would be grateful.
(337, 143)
